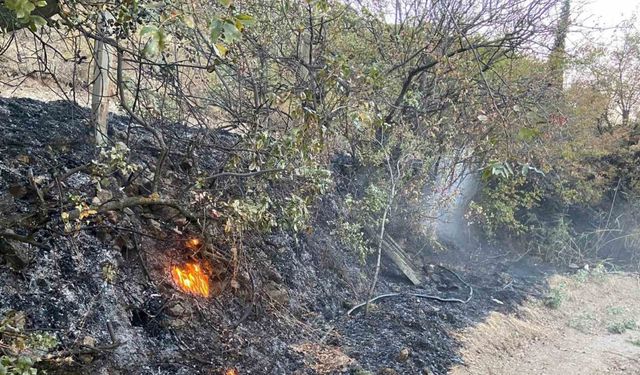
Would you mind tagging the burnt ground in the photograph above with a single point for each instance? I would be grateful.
(103, 288)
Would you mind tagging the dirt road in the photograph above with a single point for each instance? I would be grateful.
(589, 325)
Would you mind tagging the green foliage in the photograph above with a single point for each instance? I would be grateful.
(583, 322)
(352, 235)
(555, 298)
(635, 342)
(622, 327)
(114, 159)
(23, 10)
(503, 204)
(23, 350)
(556, 242)
(249, 213)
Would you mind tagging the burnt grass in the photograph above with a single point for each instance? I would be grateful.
(105, 286)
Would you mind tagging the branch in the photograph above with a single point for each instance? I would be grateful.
(426, 296)
(24, 239)
(242, 174)
(138, 201)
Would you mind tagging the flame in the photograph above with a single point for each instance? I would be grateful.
(193, 243)
(231, 371)
(191, 278)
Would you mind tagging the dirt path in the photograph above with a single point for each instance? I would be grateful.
(574, 338)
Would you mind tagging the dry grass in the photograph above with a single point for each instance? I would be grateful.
(322, 358)
(573, 339)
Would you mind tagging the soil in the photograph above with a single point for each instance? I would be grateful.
(574, 339)
(288, 316)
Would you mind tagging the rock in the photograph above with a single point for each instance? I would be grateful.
(104, 234)
(360, 371)
(177, 310)
(388, 371)
(104, 195)
(277, 293)
(109, 182)
(18, 191)
(186, 164)
(16, 254)
(123, 243)
(95, 201)
(7, 203)
(403, 355)
(156, 225)
(112, 216)
(89, 342)
(273, 274)
(426, 371)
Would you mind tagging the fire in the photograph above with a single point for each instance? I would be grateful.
(191, 278)
(193, 243)
(231, 371)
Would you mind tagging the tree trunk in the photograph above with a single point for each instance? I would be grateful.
(557, 59)
(101, 90)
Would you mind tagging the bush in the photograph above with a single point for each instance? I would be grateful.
(22, 350)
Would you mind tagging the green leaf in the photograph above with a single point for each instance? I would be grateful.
(38, 21)
(528, 134)
(188, 21)
(157, 40)
(150, 48)
(231, 32)
(215, 29)
(149, 29)
(220, 49)
(226, 3)
(245, 19)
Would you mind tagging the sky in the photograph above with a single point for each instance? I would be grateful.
(598, 17)
(610, 12)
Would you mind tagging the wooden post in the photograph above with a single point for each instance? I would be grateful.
(101, 90)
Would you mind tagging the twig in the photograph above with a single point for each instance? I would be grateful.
(237, 174)
(25, 239)
(112, 334)
(383, 223)
(243, 175)
(139, 201)
(356, 307)
(34, 185)
(67, 174)
(426, 296)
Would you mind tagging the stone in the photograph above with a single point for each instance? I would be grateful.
(403, 355)
(112, 216)
(89, 342)
(18, 191)
(177, 310)
(360, 371)
(186, 164)
(156, 225)
(277, 293)
(104, 195)
(109, 182)
(15, 253)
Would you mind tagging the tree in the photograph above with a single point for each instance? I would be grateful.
(614, 70)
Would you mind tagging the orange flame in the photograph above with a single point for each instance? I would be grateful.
(231, 371)
(191, 279)
(193, 243)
